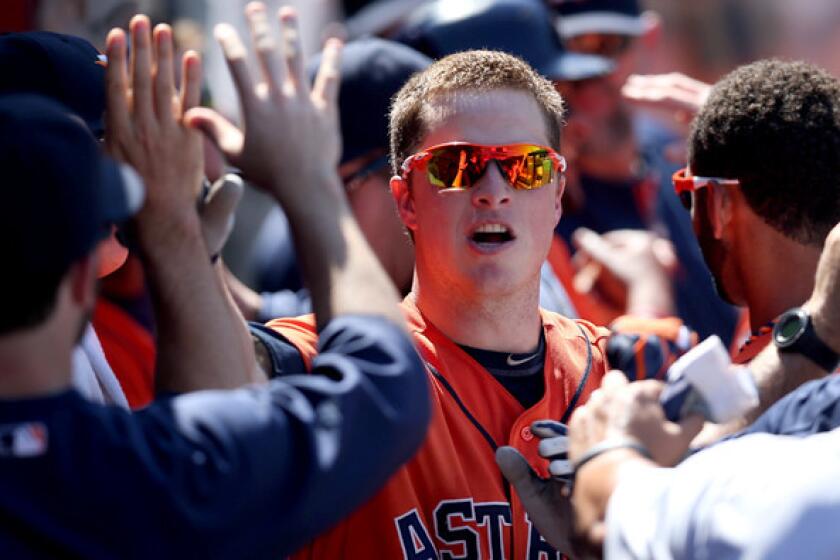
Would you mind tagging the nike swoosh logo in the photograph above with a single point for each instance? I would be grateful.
(511, 361)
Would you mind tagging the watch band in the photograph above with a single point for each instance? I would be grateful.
(807, 343)
(817, 350)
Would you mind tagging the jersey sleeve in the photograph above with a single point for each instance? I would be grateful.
(284, 356)
(810, 409)
(761, 496)
(258, 472)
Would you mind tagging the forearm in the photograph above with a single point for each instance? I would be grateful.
(339, 268)
(240, 324)
(302, 452)
(200, 337)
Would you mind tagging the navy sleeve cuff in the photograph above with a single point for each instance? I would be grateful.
(285, 358)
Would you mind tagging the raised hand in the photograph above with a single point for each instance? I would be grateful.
(289, 129)
(629, 268)
(145, 124)
(676, 93)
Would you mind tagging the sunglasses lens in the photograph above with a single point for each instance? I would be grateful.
(685, 198)
(461, 166)
(530, 169)
(454, 167)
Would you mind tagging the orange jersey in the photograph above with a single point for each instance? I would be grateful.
(752, 347)
(129, 349)
(451, 500)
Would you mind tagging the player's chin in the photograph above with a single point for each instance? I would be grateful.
(499, 278)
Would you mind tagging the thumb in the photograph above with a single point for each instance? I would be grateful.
(692, 425)
(217, 211)
(515, 468)
(218, 129)
(592, 243)
(547, 508)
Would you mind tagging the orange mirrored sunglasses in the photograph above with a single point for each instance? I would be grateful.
(460, 165)
(685, 184)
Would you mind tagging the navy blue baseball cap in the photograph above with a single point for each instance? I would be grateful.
(523, 28)
(66, 68)
(615, 17)
(372, 72)
(59, 193)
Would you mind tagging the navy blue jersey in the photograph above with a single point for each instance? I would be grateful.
(250, 473)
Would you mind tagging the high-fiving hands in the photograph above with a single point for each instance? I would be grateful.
(145, 125)
(290, 130)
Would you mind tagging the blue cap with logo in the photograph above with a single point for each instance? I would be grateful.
(59, 193)
(523, 28)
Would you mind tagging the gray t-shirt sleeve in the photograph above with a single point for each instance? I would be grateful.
(761, 496)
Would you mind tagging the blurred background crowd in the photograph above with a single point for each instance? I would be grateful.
(662, 252)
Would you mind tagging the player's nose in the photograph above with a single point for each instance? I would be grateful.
(492, 190)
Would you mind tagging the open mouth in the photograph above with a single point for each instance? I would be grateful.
(491, 235)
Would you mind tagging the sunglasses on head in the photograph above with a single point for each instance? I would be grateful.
(608, 45)
(685, 184)
(460, 165)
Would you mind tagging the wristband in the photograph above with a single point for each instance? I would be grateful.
(611, 445)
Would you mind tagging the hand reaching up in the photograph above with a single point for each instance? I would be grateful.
(290, 130)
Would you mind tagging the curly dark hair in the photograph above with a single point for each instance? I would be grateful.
(775, 126)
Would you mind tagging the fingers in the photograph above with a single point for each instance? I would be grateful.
(673, 90)
(292, 51)
(116, 85)
(325, 91)
(265, 46)
(141, 69)
(164, 78)
(235, 56)
(190, 82)
(561, 468)
(218, 129)
(594, 245)
(553, 446)
(548, 428)
(665, 254)
(691, 426)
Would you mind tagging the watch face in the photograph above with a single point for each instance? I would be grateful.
(790, 327)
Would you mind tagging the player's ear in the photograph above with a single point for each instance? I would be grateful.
(82, 279)
(558, 199)
(401, 191)
(719, 208)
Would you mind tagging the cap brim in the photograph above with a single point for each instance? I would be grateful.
(571, 67)
(600, 22)
(122, 191)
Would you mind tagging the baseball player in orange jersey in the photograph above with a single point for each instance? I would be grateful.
(478, 184)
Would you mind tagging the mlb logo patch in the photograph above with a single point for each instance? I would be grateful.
(26, 439)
